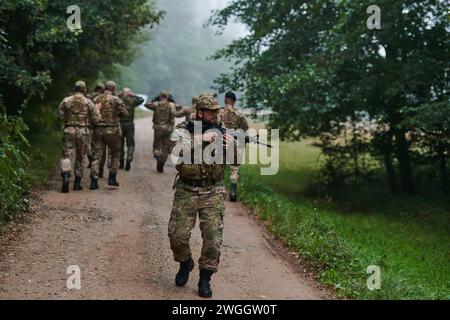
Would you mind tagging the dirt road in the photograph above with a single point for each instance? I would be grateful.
(118, 238)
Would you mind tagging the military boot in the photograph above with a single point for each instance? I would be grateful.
(182, 276)
(128, 166)
(94, 184)
(65, 182)
(77, 184)
(233, 192)
(160, 166)
(204, 289)
(112, 180)
(121, 164)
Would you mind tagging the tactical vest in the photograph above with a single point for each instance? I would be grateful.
(163, 115)
(77, 113)
(108, 111)
(230, 118)
(210, 172)
(129, 102)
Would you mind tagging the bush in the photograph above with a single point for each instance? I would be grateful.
(13, 160)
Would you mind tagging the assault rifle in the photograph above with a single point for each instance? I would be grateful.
(237, 135)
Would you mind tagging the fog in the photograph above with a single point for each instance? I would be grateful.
(175, 57)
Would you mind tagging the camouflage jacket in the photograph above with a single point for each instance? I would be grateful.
(233, 119)
(112, 109)
(78, 111)
(130, 102)
(185, 140)
(164, 114)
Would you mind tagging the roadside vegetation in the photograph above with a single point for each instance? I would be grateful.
(340, 231)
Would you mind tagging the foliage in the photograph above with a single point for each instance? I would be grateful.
(41, 57)
(13, 163)
(317, 66)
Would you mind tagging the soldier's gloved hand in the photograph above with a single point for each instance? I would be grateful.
(209, 137)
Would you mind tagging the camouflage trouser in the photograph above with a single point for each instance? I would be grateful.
(105, 152)
(209, 204)
(105, 136)
(88, 146)
(128, 137)
(234, 173)
(161, 143)
(74, 144)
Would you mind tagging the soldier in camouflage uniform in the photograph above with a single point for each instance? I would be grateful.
(131, 101)
(107, 132)
(199, 189)
(78, 113)
(187, 112)
(99, 89)
(163, 122)
(232, 119)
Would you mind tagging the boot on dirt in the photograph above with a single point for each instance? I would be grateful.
(100, 173)
(160, 166)
(233, 192)
(121, 164)
(182, 276)
(128, 166)
(204, 289)
(112, 180)
(94, 184)
(65, 182)
(77, 184)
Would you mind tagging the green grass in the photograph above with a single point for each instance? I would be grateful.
(341, 235)
(44, 152)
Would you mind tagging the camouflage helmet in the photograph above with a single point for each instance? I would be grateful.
(164, 94)
(99, 87)
(79, 86)
(207, 101)
(110, 85)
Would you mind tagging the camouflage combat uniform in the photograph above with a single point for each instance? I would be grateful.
(234, 120)
(78, 113)
(200, 189)
(130, 101)
(89, 143)
(108, 132)
(163, 123)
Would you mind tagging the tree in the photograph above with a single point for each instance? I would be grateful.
(316, 65)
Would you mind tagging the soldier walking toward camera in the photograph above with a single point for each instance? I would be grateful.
(163, 122)
(78, 113)
(131, 101)
(199, 190)
(107, 132)
(232, 119)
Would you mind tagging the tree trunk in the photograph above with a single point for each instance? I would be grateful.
(443, 170)
(404, 161)
(392, 179)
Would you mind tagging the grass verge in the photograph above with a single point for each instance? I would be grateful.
(406, 237)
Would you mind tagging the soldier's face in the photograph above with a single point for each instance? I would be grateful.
(209, 116)
(229, 101)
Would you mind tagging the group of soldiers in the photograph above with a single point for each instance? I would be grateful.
(104, 120)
